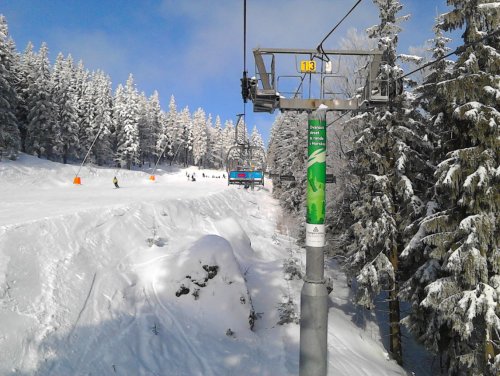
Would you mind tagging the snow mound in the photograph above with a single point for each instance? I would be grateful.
(210, 250)
(232, 231)
(208, 284)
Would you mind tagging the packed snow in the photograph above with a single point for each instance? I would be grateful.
(164, 277)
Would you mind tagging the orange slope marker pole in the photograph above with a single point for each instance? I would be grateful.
(152, 176)
(77, 179)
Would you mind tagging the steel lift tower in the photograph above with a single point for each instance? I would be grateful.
(313, 78)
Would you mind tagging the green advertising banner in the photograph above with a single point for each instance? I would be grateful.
(316, 180)
(316, 171)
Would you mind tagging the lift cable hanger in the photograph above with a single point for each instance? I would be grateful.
(320, 46)
(245, 72)
(245, 163)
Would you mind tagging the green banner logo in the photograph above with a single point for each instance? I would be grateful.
(316, 171)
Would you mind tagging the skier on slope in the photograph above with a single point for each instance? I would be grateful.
(115, 182)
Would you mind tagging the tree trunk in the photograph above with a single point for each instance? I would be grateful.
(394, 313)
(489, 350)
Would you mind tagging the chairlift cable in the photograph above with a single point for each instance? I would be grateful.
(300, 85)
(244, 53)
(244, 35)
(340, 117)
(320, 46)
(90, 148)
(455, 52)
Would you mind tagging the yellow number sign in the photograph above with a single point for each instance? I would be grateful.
(307, 66)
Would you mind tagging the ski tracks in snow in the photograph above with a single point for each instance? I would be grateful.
(83, 307)
(203, 365)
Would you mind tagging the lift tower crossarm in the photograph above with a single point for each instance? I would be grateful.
(305, 51)
(297, 104)
(267, 97)
(261, 67)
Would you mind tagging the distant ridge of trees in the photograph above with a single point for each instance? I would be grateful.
(57, 111)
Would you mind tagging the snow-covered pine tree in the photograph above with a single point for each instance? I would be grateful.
(168, 132)
(116, 121)
(340, 135)
(389, 161)
(464, 234)
(257, 142)
(82, 92)
(186, 137)
(71, 75)
(426, 324)
(272, 147)
(156, 120)
(168, 125)
(95, 117)
(209, 155)
(173, 128)
(241, 131)
(24, 79)
(10, 140)
(86, 131)
(43, 133)
(164, 137)
(228, 138)
(199, 136)
(218, 144)
(256, 138)
(65, 100)
(144, 129)
(127, 117)
(287, 155)
(102, 119)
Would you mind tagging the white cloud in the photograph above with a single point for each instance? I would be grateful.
(97, 49)
(214, 44)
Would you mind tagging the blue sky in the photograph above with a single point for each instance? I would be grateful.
(193, 49)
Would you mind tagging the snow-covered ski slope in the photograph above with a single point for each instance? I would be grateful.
(89, 278)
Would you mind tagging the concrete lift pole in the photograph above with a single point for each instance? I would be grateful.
(313, 297)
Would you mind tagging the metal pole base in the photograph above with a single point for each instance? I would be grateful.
(313, 329)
